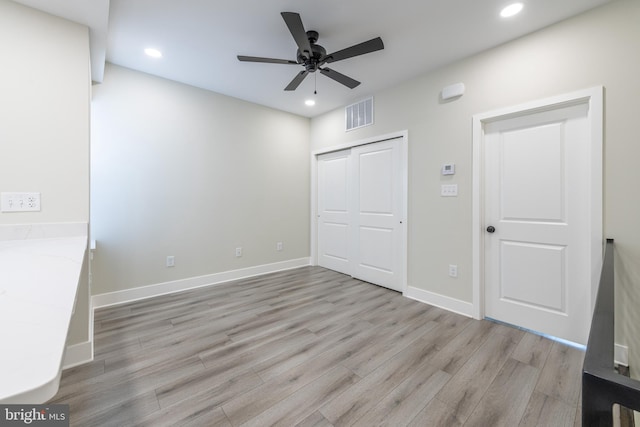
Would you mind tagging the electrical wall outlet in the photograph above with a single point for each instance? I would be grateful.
(238, 252)
(171, 261)
(453, 270)
(20, 202)
(278, 246)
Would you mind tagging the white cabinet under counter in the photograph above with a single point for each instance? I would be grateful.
(40, 267)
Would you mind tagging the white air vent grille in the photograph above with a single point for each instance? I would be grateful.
(359, 114)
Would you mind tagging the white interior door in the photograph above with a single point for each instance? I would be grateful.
(377, 214)
(537, 197)
(334, 216)
(359, 213)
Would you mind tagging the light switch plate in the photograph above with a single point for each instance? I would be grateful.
(20, 202)
(449, 190)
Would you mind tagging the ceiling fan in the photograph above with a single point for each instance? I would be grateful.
(312, 56)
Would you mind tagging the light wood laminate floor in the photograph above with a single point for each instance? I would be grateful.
(312, 347)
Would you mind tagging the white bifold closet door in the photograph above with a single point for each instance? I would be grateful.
(359, 212)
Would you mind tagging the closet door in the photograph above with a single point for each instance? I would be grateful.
(360, 213)
(334, 216)
(376, 234)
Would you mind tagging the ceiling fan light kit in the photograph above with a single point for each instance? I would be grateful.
(313, 57)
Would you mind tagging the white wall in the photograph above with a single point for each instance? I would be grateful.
(181, 171)
(44, 113)
(597, 48)
(44, 122)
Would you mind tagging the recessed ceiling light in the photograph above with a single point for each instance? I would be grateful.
(512, 9)
(309, 102)
(154, 53)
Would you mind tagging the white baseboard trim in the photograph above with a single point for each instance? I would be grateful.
(442, 301)
(78, 354)
(135, 294)
(621, 355)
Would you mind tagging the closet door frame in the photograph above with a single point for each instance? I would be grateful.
(400, 138)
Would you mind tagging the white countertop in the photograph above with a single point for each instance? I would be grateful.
(40, 268)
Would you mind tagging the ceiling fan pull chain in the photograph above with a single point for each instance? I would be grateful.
(315, 84)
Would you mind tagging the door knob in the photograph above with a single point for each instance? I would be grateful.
(491, 229)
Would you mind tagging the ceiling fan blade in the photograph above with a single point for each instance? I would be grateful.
(340, 78)
(267, 60)
(355, 50)
(294, 23)
(297, 80)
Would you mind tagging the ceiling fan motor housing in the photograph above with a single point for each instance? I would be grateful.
(318, 53)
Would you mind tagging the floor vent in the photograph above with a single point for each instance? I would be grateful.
(359, 114)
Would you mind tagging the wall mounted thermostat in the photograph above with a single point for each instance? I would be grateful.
(449, 169)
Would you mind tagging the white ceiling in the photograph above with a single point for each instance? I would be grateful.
(201, 38)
